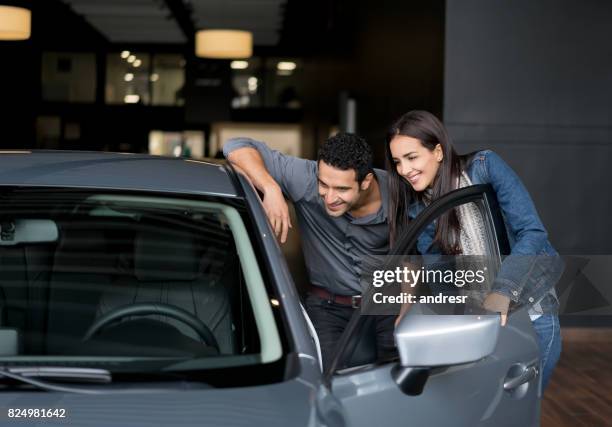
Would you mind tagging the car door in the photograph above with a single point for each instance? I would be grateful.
(501, 389)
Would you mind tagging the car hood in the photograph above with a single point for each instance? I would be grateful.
(291, 403)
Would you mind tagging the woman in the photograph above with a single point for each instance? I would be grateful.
(423, 166)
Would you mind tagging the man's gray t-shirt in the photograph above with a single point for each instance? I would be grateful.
(336, 250)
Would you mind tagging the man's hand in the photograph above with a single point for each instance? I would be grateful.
(498, 303)
(277, 211)
(249, 161)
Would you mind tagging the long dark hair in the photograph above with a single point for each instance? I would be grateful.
(425, 127)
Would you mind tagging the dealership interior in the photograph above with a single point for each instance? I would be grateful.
(531, 80)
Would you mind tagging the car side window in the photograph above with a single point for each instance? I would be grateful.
(464, 265)
(476, 232)
(478, 250)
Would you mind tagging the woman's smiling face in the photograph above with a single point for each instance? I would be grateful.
(415, 163)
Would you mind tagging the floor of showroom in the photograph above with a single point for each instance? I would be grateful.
(579, 390)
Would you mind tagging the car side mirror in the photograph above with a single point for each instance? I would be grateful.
(429, 340)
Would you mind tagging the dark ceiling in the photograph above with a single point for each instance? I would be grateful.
(274, 23)
(155, 21)
(279, 27)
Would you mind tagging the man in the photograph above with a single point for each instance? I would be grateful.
(341, 203)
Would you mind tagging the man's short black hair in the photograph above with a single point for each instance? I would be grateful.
(347, 151)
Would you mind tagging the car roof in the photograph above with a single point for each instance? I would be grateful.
(119, 171)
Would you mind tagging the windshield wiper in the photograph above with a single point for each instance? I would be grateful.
(28, 375)
(61, 373)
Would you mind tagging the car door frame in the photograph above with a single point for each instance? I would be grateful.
(495, 223)
(453, 199)
(409, 237)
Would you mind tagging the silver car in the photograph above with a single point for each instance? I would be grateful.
(150, 291)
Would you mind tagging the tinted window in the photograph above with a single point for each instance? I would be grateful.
(119, 276)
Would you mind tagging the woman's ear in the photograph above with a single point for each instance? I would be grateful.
(438, 153)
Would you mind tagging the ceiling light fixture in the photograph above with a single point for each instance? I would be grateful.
(252, 84)
(131, 99)
(224, 44)
(15, 23)
(125, 54)
(137, 63)
(239, 65)
(286, 66)
(128, 77)
(131, 58)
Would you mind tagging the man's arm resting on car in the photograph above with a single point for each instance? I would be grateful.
(251, 163)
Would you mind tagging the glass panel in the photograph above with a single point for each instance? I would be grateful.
(270, 82)
(475, 235)
(168, 79)
(177, 144)
(286, 138)
(93, 254)
(246, 83)
(285, 75)
(68, 77)
(453, 276)
(127, 78)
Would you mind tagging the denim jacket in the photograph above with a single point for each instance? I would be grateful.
(528, 275)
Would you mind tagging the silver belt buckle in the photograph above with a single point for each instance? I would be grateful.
(355, 301)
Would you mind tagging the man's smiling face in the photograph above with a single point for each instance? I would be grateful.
(338, 189)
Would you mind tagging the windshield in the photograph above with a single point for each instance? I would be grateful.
(130, 283)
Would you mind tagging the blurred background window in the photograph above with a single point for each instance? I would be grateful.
(48, 131)
(286, 138)
(168, 79)
(189, 143)
(266, 82)
(68, 77)
(128, 78)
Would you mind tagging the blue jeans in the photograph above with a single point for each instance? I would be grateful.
(549, 340)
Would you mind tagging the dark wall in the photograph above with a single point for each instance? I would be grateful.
(533, 81)
(18, 92)
(393, 63)
(401, 58)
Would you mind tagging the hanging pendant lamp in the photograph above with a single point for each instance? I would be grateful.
(15, 23)
(224, 44)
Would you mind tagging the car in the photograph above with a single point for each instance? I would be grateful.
(145, 290)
